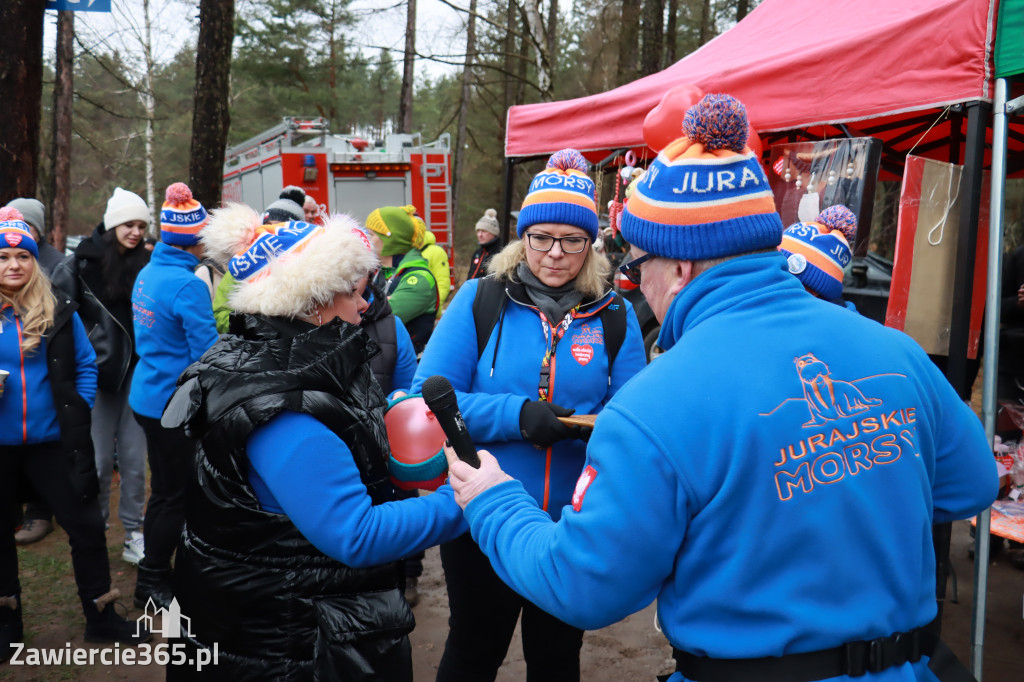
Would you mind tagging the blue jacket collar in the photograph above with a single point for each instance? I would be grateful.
(164, 254)
(738, 281)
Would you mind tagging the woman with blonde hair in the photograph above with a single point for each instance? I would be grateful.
(49, 383)
(546, 339)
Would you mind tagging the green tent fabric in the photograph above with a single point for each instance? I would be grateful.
(1009, 55)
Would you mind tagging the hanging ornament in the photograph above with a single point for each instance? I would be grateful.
(788, 175)
(849, 169)
(831, 177)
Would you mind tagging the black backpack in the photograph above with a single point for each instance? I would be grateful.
(489, 306)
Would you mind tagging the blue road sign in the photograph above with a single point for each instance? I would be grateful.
(79, 5)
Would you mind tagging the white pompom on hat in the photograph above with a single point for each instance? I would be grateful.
(124, 206)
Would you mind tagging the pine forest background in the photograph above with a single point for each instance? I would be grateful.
(315, 58)
(331, 58)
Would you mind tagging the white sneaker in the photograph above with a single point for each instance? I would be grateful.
(134, 548)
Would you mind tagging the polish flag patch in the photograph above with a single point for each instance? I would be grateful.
(582, 485)
(582, 353)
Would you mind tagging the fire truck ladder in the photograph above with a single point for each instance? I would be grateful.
(437, 195)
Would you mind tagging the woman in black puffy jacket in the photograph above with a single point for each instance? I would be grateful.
(290, 563)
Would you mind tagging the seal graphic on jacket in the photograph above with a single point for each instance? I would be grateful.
(828, 398)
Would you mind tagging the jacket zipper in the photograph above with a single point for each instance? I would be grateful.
(24, 386)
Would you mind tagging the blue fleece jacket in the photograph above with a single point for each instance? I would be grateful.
(173, 324)
(784, 462)
(27, 412)
(490, 401)
(405, 362)
(294, 459)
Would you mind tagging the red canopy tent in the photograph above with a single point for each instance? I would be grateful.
(884, 68)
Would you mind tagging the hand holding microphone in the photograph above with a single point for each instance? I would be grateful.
(466, 476)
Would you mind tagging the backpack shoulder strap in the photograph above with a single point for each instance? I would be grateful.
(613, 319)
(487, 306)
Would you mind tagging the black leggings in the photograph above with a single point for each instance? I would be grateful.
(484, 611)
(45, 467)
(171, 454)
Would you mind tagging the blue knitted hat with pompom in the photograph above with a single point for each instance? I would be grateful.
(562, 193)
(706, 195)
(818, 252)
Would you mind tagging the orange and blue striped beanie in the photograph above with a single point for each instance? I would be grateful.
(181, 217)
(705, 196)
(817, 252)
(561, 193)
(14, 232)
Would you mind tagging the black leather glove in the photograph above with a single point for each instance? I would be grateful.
(538, 422)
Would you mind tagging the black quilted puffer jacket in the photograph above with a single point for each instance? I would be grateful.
(276, 607)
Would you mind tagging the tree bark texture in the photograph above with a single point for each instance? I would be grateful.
(650, 57)
(706, 21)
(461, 141)
(211, 116)
(509, 61)
(671, 32)
(21, 90)
(629, 40)
(742, 9)
(405, 99)
(539, 41)
(63, 89)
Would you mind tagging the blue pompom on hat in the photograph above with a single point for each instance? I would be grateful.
(562, 193)
(817, 252)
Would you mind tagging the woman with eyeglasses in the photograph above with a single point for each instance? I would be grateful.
(540, 339)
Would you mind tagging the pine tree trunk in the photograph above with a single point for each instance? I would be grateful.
(461, 140)
(60, 193)
(742, 9)
(650, 58)
(629, 39)
(21, 90)
(405, 99)
(671, 31)
(706, 21)
(211, 118)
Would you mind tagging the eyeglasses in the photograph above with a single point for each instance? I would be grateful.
(544, 242)
(632, 269)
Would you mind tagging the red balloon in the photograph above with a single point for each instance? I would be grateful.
(664, 123)
(416, 439)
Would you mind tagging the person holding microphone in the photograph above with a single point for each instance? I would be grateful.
(772, 478)
(290, 561)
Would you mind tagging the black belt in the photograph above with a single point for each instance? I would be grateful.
(853, 659)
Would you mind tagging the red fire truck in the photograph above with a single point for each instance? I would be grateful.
(345, 173)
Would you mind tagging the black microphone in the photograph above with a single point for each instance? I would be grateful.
(439, 396)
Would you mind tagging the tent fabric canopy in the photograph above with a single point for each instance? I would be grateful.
(798, 64)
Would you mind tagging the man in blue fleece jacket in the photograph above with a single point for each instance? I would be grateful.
(174, 326)
(772, 478)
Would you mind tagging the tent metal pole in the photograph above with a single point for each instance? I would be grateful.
(506, 215)
(989, 406)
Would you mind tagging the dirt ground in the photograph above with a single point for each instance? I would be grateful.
(629, 650)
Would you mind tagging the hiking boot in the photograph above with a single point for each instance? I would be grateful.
(33, 530)
(412, 593)
(10, 625)
(134, 547)
(155, 584)
(104, 624)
